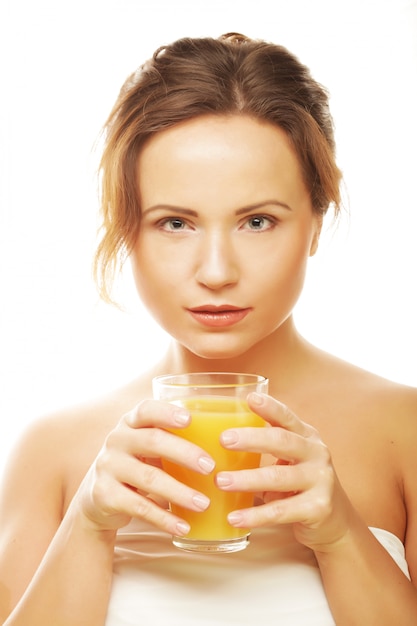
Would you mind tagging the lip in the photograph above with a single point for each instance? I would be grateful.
(218, 316)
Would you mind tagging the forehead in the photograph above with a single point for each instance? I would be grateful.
(233, 152)
(209, 136)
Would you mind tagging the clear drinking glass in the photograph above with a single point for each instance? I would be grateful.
(216, 401)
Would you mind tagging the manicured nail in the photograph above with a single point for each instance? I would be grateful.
(201, 501)
(223, 480)
(234, 518)
(207, 464)
(256, 398)
(182, 528)
(181, 417)
(229, 437)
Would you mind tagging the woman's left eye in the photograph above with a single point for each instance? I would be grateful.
(259, 222)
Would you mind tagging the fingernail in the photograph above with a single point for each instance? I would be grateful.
(256, 398)
(223, 480)
(229, 437)
(207, 464)
(234, 518)
(181, 417)
(201, 501)
(182, 528)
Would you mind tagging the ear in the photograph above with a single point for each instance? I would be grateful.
(318, 223)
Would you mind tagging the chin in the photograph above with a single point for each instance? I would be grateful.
(218, 353)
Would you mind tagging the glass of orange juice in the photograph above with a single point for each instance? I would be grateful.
(216, 401)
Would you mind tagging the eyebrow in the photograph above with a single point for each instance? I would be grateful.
(242, 211)
(259, 205)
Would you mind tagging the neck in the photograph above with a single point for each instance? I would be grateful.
(280, 357)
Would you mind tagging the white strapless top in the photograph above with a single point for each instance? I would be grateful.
(274, 581)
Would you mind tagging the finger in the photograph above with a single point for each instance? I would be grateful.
(281, 443)
(162, 518)
(144, 479)
(135, 505)
(148, 443)
(149, 479)
(275, 478)
(278, 414)
(157, 413)
(300, 508)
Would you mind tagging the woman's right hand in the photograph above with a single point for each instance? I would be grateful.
(127, 480)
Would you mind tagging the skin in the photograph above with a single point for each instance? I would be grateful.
(227, 222)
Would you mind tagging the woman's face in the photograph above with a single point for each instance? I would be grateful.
(226, 231)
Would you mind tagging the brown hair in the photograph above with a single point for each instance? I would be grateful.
(194, 77)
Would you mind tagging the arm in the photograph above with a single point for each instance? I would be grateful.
(357, 571)
(363, 584)
(56, 568)
(71, 557)
(72, 584)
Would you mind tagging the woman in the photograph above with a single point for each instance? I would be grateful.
(217, 171)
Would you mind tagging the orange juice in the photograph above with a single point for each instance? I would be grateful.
(210, 416)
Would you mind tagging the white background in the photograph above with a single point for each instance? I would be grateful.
(62, 64)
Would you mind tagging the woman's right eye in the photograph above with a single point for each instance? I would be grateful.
(172, 224)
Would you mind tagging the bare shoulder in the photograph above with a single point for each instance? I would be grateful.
(364, 393)
(345, 400)
(369, 424)
(56, 450)
(382, 411)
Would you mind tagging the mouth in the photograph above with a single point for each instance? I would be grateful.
(218, 316)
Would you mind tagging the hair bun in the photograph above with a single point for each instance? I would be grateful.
(235, 38)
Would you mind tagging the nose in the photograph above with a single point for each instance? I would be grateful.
(217, 261)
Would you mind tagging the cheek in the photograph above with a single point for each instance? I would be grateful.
(143, 272)
(282, 273)
(155, 274)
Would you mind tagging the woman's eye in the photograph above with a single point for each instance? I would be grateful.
(259, 222)
(173, 224)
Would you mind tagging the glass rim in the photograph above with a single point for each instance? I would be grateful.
(196, 379)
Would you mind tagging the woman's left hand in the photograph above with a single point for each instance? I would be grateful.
(301, 488)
